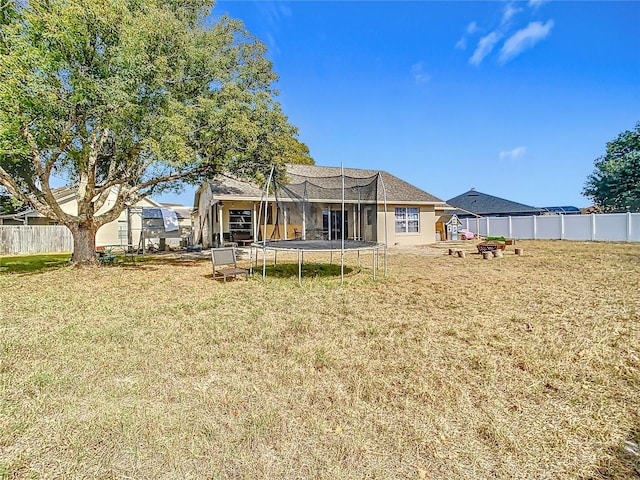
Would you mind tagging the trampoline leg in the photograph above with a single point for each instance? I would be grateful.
(384, 252)
(373, 266)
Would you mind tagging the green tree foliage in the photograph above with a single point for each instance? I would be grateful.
(135, 97)
(614, 186)
(8, 203)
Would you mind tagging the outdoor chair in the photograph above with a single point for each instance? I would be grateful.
(105, 255)
(224, 264)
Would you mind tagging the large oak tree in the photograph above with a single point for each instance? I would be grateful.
(132, 96)
(614, 186)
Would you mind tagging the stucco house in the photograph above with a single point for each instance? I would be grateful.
(126, 229)
(228, 209)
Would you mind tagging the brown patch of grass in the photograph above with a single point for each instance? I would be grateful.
(518, 367)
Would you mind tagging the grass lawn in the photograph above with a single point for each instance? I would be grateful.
(522, 367)
(32, 263)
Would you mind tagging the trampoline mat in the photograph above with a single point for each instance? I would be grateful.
(317, 245)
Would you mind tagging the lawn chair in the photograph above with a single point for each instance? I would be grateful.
(224, 264)
(105, 255)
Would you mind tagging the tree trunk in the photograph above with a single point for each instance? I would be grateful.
(84, 243)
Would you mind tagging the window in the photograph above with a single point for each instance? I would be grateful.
(407, 220)
(370, 213)
(240, 221)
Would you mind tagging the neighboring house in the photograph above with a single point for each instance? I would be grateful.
(163, 225)
(563, 210)
(126, 229)
(232, 207)
(474, 204)
(65, 196)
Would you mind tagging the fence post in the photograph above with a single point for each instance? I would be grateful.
(535, 227)
(510, 228)
(593, 226)
(629, 226)
(488, 230)
(561, 226)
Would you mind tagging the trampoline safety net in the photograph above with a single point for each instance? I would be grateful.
(321, 210)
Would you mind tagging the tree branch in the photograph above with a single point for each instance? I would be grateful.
(86, 186)
(35, 151)
(31, 198)
(49, 207)
(64, 143)
(167, 178)
(122, 199)
(12, 186)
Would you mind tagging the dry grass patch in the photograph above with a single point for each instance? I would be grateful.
(519, 367)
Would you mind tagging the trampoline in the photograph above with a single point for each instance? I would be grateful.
(332, 214)
(300, 247)
(319, 245)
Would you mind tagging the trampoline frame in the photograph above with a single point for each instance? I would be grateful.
(353, 246)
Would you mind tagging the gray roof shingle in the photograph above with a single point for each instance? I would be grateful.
(226, 186)
(484, 204)
(397, 190)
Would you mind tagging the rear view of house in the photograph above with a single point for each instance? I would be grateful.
(227, 209)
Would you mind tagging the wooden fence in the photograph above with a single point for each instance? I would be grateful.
(33, 239)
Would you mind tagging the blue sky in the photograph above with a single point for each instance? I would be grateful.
(514, 99)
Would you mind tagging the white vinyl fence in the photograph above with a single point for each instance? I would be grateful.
(610, 227)
(32, 239)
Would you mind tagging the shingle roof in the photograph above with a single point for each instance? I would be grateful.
(225, 186)
(397, 190)
(483, 204)
(59, 193)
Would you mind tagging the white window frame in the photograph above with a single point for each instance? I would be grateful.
(404, 216)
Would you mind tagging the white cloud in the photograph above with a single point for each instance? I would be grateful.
(471, 29)
(513, 154)
(509, 11)
(485, 45)
(417, 70)
(274, 12)
(524, 39)
(272, 43)
(536, 3)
